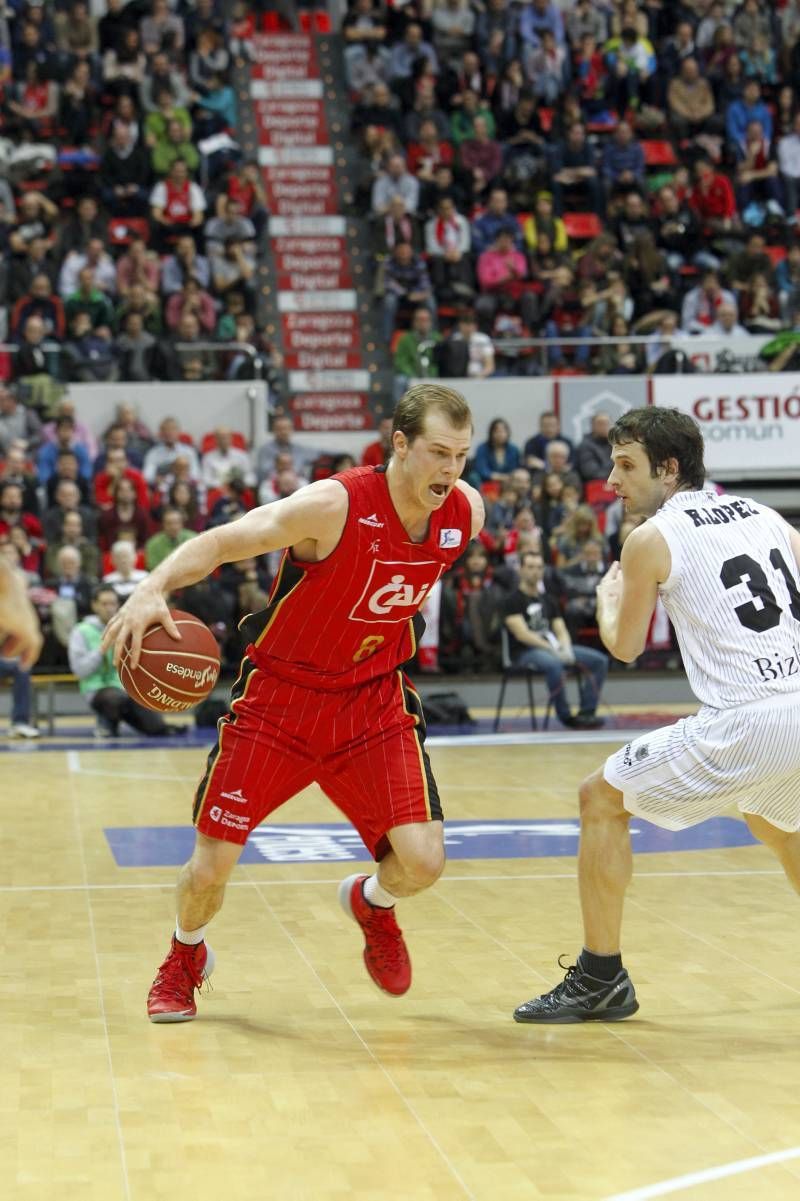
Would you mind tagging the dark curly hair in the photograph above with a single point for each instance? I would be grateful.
(665, 434)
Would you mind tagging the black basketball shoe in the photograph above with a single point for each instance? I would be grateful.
(581, 998)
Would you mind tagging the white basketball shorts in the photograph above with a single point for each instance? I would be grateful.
(748, 757)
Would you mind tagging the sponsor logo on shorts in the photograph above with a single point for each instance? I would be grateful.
(215, 813)
(199, 676)
(237, 795)
(236, 821)
(395, 591)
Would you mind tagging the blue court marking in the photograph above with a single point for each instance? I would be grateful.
(169, 846)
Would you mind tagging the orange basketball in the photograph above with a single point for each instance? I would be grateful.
(173, 675)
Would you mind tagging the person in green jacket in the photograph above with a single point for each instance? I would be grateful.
(415, 353)
(170, 536)
(98, 679)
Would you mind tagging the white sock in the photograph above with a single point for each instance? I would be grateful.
(376, 895)
(190, 937)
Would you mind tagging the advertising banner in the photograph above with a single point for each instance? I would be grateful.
(751, 423)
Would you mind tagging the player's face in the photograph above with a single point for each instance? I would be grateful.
(631, 478)
(434, 460)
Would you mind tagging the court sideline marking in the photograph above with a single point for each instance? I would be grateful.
(678, 1183)
(360, 1038)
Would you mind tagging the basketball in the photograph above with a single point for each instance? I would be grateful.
(173, 676)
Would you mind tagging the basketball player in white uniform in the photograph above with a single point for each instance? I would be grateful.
(728, 572)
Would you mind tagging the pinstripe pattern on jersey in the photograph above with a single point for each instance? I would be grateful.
(721, 655)
(238, 692)
(289, 575)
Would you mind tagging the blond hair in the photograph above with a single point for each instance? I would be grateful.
(421, 399)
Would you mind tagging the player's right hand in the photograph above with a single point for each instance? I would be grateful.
(145, 607)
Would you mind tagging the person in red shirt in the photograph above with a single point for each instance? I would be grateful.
(321, 695)
(377, 453)
(712, 198)
(117, 466)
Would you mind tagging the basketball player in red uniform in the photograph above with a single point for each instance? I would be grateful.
(321, 695)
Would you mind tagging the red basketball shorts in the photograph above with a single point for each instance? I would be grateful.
(363, 746)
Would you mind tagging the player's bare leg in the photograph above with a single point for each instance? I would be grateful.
(200, 892)
(784, 844)
(597, 988)
(415, 861)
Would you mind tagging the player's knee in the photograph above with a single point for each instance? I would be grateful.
(425, 865)
(598, 800)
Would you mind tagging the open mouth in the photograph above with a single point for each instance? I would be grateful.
(439, 491)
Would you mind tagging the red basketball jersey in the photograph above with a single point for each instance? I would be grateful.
(349, 618)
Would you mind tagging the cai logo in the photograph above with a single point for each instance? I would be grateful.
(394, 591)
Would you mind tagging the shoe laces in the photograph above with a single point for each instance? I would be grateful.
(385, 940)
(179, 974)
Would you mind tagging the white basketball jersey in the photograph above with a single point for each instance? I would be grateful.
(733, 596)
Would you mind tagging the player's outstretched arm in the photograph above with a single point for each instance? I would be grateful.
(20, 634)
(314, 513)
(626, 595)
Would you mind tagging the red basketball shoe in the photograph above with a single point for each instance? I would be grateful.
(385, 953)
(171, 997)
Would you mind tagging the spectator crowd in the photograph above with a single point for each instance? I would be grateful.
(130, 225)
(577, 169)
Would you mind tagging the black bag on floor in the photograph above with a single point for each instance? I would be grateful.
(446, 709)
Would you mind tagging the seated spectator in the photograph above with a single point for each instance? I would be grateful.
(405, 53)
(20, 428)
(124, 175)
(97, 261)
(36, 218)
(543, 221)
(396, 225)
(481, 156)
(65, 439)
(535, 448)
(138, 265)
(700, 304)
(623, 161)
(234, 269)
(232, 502)
(126, 517)
(72, 534)
(88, 355)
(563, 316)
(593, 454)
(16, 469)
(498, 456)
(139, 436)
(789, 167)
(12, 513)
(177, 204)
(647, 278)
(193, 299)
(32, 104)
(415, 353)
(757, 175)
(83, 225)
(78, 105)
(115, 468)
(466, 351)
(225, 461)
(631, 64)
(497, 218)
(406, 282)
(124, 65)
(428, 153)
(72, 599)
(395, 180)
(117, 437)
(424, 108)
(145, 305)
(574, 173)
(471, 612)
(548, 511)
(557, 461)
(171, 535)
(229, 223)
(23, 268)
(161, 30)
(579, 528)
(34, 368)
(244, 184)
(125, 574)
(89, 300)
(678, 233)
(161, 456)
(740, 113)
(100, 684)
(758, 307)
(447, 244)
(579, 581)
(39, 302)
(538, 638)
(285, 479)
(182, 264)
(546, 68)
(727, 324)
(377, 453)
(181, 356)
(281, 443)
(690, 101)
(501, 264)
(632, 221)
(67, 499)
(209, 58)
(620, 358)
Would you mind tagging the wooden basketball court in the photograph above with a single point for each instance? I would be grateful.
(299, 1081)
